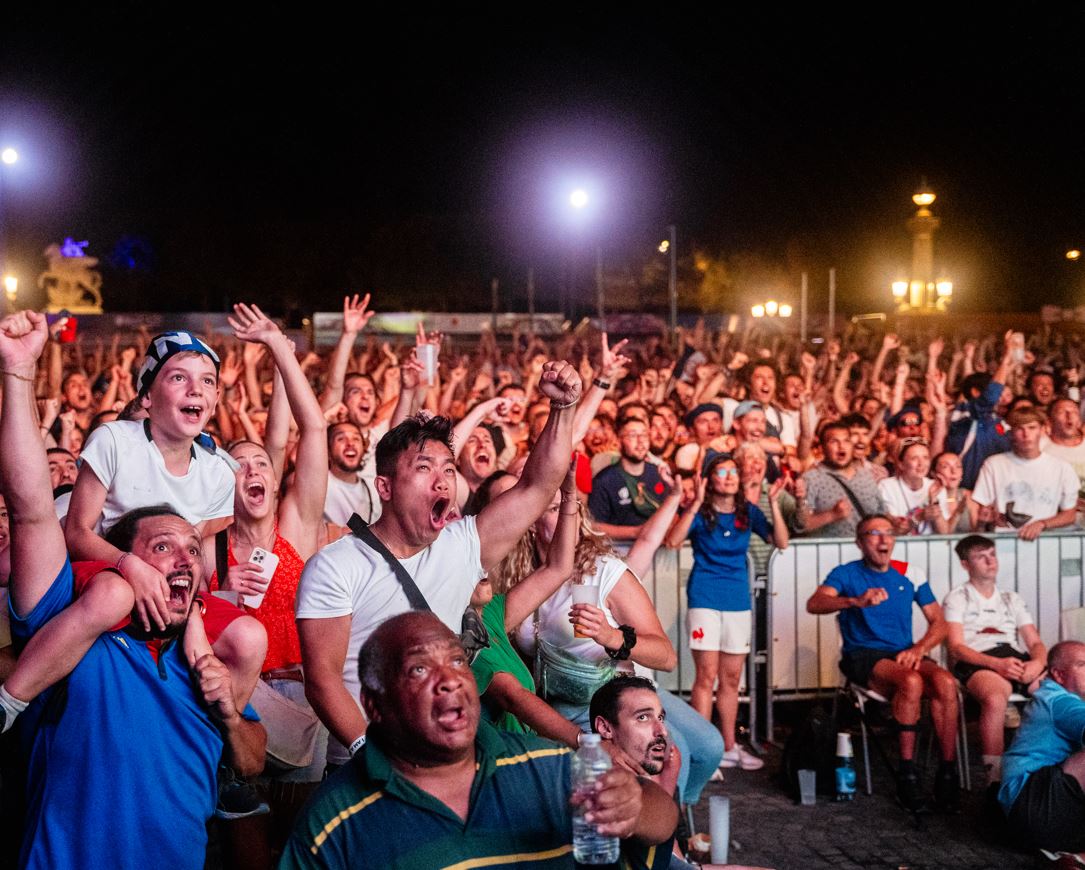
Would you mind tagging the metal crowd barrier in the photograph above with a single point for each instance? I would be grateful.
(794, 654)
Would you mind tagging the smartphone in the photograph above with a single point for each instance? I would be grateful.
(267, 562)
(68, 328)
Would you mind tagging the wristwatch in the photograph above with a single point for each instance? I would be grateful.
(629, 640)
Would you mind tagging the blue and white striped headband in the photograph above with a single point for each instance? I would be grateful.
(165, 345)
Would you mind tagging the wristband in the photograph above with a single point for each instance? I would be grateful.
(601, 384)
(120, 561)
(557, 406)
(356, 745)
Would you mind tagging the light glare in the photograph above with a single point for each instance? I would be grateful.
(771, 308)
(758, 311)
(785, 310)
(9, 155)
(900, 289)
(578, 198)
(1073, 254)
(664, 246)
(944, 288)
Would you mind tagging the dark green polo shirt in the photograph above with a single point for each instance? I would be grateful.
(367, 815)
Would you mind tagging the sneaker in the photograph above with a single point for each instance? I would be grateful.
(739, 757)
(1012, 718)
(947, 791)
(909, 795)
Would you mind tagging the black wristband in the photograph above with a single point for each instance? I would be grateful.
(601, 384)
(629, 640)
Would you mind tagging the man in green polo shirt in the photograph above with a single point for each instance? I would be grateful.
(433, 787)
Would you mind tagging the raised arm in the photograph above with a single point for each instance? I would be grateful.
(301, 510)
(611, 362)
(539, 585)
(462, 430)
(37, 549)
(504, 521)
(355, 317)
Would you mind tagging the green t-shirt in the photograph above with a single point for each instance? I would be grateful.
(499, 657)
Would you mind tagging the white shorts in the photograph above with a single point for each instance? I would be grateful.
(725, 631)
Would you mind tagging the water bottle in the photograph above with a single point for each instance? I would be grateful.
(845, 770)
(589, 764)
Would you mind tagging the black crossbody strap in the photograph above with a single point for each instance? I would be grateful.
(360, 529)
(222, 557)
(859, 509)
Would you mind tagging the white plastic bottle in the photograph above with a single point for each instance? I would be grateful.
(589, 764)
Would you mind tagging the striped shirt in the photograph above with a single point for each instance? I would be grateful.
(368, 815)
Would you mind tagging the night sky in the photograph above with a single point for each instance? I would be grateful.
(288, 159)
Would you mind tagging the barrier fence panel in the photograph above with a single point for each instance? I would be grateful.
(805, 649)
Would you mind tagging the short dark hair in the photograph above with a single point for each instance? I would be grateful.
(823, 436)
(1060, 651)
(978, 381)
(608, 697)
(481, 498)
(855, 421)
(353, 376)
(53, 451)
(751, 367)
(123, 532)
(332, 427)
(967, 545)
(413, 432)
(869, 518)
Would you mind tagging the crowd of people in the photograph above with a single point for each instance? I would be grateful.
(411, 572)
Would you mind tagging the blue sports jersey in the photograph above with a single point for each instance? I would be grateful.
(126, 776)
(887, 625)
(719, 579)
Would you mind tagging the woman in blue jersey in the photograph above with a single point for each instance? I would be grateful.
(718, 524)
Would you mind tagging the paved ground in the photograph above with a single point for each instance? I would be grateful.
(768, 829)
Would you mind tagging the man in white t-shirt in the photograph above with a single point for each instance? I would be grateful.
(994, 643)
(348, 589)
(1067, 441)
(1025, 489)
(348, 492)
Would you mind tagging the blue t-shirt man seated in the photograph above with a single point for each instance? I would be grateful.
(1043, 773)
(873, 599)
(624, 495)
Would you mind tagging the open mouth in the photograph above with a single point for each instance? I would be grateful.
(452, 718)
(180, 582)
(256, 492)
(192, 413)
(437, 514)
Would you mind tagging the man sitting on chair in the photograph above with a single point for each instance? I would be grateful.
(994, 643)
(872, 598)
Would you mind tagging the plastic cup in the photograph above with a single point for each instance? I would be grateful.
(427, 355)
(808, 787)
(719, 826)
(583, 594)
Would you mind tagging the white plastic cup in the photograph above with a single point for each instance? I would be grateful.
(584, 594)
(843, 745)
(808, 787)
(427, 355)
(719, 827)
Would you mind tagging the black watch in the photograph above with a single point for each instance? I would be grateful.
(629, 640)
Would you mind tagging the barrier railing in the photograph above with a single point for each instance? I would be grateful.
(805, 649)
(795, 654)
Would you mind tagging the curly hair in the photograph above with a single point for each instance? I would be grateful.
(523, 559)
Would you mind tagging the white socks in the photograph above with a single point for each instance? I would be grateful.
(12, 707)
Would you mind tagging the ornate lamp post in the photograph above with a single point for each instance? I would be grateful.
(923, 294)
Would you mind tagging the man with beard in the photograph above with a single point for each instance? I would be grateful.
(839, 492)
(624, 495)
(478, 458)
(1066, 441)
(136, 725)
(350, 587)
(348, 491)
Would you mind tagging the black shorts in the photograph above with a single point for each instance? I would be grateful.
(858, 663)
(1049, 812)
(964, 671)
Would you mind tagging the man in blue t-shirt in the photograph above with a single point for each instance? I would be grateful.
(873, 599)
(1043, 773)
(624, 495)
(121, 759)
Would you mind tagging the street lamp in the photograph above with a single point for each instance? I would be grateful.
(1073, 254)
(923, 293)
(578, 198)
(9, 155)
(771, 308)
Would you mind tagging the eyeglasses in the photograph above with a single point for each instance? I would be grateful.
(726, 472)
(879, 533)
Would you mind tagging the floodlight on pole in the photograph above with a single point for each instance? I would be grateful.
(9, 155)
(578, 198)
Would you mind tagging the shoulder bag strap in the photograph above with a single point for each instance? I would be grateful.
(360, 529)
(222, 558)
(859, 509)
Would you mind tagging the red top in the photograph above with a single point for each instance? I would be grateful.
(276, 612)
(218, 615)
